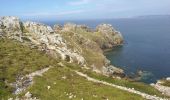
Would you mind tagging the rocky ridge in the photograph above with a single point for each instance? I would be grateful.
(86, 49)
(39, 35)
(161, 87)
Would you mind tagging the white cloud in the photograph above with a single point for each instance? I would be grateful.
(70, 12)
(61, 13)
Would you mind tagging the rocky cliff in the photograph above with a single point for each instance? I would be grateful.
(72, 43)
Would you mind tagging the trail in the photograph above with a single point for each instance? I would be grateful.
(22, 83)
(144, 95)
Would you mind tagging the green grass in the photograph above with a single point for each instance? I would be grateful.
(16, 60)
(90, 51)
(166, 83)
(127, 83)
(76, 85)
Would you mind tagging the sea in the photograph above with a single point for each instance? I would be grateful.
(146, 47)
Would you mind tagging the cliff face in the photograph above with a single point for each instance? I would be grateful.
(73, 43)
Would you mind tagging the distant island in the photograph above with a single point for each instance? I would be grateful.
(154, 16)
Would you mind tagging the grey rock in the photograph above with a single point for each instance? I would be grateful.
(41, 36)
(57, 28)
(84, 27)
(105, 29)
(113, 71)
(28, 95)
(11, 27)
(110, 35)
(168, 78)
(164, 89)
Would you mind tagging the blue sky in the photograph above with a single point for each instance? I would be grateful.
(82, 9)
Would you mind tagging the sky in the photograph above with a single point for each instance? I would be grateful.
(83, 9)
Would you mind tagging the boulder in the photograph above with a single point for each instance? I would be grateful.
(113, 71)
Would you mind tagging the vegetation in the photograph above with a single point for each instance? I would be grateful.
(90, 51)
(127, 83)
(17, 59)
(62, 88)
(165, 82)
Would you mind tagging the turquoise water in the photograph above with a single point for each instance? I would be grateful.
(147, 46)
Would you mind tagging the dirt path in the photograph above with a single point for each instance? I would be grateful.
(22, 83)
(146, 96)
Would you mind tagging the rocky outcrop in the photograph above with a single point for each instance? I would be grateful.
(91, 43)
(110, 35)
(105, 29)
(11, 27)
(161, 87)
(57, 28)
(41, 36)
(22, 83)
(73, 43)
(69, 27)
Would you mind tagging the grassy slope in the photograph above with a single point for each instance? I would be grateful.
(77, 86)
(17, 59)
(92, 56)
(127, 83)
(165, 83)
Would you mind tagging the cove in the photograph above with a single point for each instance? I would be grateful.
(146, 48)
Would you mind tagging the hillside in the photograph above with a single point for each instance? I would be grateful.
(38, 62)
(17, 59)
